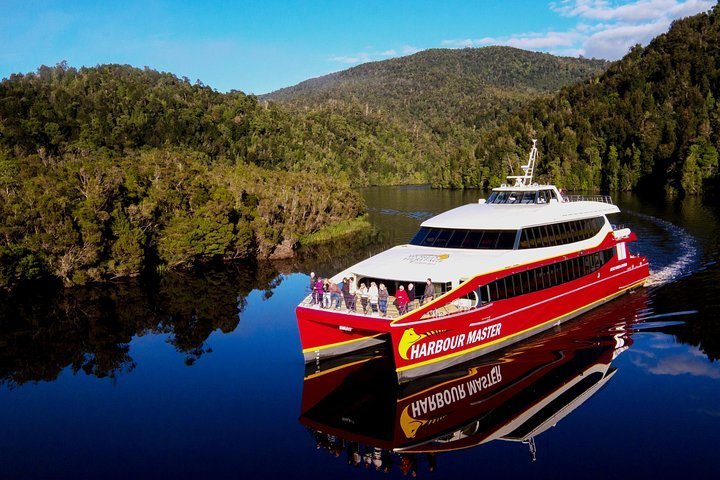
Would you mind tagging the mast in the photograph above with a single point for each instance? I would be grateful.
(525, 180)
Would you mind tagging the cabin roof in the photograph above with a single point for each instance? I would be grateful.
(515, 216)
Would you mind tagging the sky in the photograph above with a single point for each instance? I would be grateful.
(262, 45)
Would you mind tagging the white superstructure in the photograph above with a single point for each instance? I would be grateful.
(504, 220)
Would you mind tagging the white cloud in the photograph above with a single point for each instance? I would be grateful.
(615, 40)
(604, 29)
(350, 59)
(409, 50)
(528, 41)
(670, 358)
(373, 55)
(641, 10)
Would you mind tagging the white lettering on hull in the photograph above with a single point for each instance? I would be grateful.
(435, 347)
(455, 393)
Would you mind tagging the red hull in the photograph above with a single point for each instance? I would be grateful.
(499, 396)
(423, 343)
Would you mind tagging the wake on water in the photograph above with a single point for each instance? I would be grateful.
(686, 254)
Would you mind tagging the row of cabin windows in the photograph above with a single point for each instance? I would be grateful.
(543, 277)
(539, 196)
(560, 233)
(533, 237)
(461, 238)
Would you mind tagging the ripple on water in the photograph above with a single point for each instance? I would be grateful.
(679, 261)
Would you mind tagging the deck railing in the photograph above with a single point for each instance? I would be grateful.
(392, 310)
(589, 198)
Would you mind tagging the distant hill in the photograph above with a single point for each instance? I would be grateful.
(650, 122)
(441, 87)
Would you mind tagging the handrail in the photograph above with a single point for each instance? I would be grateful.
(588, 198)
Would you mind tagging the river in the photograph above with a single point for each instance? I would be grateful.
(201, 376)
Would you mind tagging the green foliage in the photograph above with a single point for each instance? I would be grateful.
(652, 119)
(335, 231)
(84, 217)
(414, 119)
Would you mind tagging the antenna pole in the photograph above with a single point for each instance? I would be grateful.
(526, 178)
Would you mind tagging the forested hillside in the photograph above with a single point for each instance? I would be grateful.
(105, 171)
(650, 122)
(440, 88)
(437, 102)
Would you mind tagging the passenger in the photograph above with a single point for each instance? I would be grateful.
(432, 461)
(387, 460)
(318, 294)
(408, 464)
(335, 291)
(429, 292)
(377, 458)
(351, 448)
(373, 297)
(363, 291)
(346, 293)
(411, 296)
(353, 293)
(326, 293)
(401, 298)
(312, 285)
(382, 299)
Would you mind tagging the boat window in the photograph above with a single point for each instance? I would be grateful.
(443, 237)
(489, 239)
(506, 241)
(472, 239)
(462, 238)
(547, 276)
(544, 196)
(430, 237)
(419, 237)
(528, 197)
(457, 239)
(560, 233)
(524, 197)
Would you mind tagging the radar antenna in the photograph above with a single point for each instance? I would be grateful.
(526, 178)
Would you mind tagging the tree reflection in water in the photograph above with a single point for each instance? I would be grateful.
(89, 329)
(46, 329)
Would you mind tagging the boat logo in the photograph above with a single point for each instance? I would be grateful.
(411, 337)
(426, 258)
(410, 425)
(430, 405)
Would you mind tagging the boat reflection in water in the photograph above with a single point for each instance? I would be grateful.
(355, 407)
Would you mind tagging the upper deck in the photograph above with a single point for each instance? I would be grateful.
(501, 212)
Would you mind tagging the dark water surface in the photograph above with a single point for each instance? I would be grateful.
(202, 376)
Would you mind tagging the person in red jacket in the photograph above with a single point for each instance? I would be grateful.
(401, 297)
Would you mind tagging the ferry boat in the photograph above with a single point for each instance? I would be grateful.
(513, 395)
(522, 261)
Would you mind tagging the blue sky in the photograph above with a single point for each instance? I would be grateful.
(259, 46)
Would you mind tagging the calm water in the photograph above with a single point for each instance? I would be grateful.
(202, 376)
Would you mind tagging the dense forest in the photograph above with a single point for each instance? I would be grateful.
(441, 90)
(437, 102)
(650, 123)
(106, 171)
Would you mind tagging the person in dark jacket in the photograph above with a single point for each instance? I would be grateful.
(411, 296)
(429, 292)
